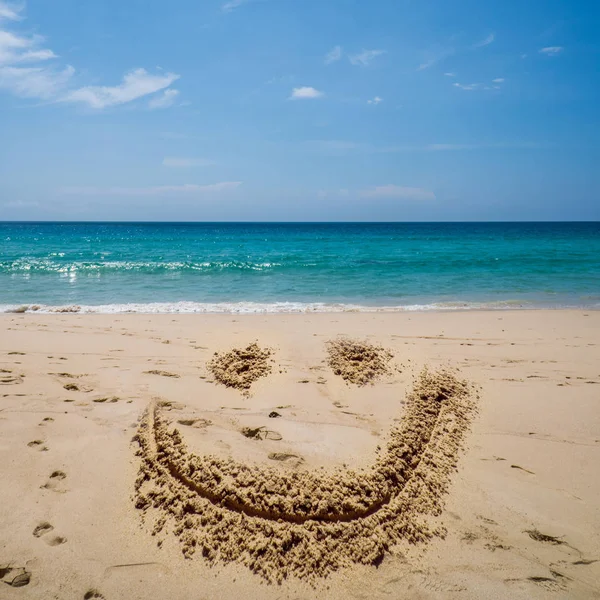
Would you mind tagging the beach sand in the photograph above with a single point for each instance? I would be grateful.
(499, 494)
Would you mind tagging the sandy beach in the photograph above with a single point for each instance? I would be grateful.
(106, 421)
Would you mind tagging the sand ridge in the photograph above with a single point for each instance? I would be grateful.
(304, 524)
(241, 367)
(356, 361)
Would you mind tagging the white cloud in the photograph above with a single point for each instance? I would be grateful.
(486, 41)
(177, 162)
(498, 80)
(397, 191)
(164, 100)
(375, 100)
(435, 57)
(450, 74)
(10, 12)
(551, 50)
(304, 92)
(136, 84)
(233, 4)
(188, 188)
(333, 55)
(468, 86)
(35, 82)
(43, 82)
(364, 58)
(39, 82)
(17, 49)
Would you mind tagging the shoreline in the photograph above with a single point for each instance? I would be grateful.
(263, 308)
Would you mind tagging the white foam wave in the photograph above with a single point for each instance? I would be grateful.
(272, 307)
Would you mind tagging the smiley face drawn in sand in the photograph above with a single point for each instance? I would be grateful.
(306, 524)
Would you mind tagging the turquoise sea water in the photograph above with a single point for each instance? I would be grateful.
(169, 267)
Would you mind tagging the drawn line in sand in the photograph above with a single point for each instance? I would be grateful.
(305, 524)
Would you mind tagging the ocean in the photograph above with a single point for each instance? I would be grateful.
(296, 267)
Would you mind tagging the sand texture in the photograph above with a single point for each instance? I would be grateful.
(300, 456)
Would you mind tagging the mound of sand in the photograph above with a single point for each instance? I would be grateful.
(306, 524)
(241, 367)
(357, 362)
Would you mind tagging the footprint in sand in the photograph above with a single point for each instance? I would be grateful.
(93, 595)
(261, 433)
(7, 377)
(42, 529)
(14, 576)
(55, 482)
(57, 540)
(73, 387)
(197, 423)
(289, 459)
(162, 373)
(38, 445)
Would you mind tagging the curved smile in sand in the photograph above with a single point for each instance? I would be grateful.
(305, 524)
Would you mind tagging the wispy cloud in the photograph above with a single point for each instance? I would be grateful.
(333, 55)
(16, 48)
(233, 4)
(468, 86)
(434, 58)
(35, 82)
(164, 100)
(450, 74)
(397, 191)
(364, 58)
(485, 41)
(188, 188)
(551, 50)
(375, 101)
(305, 92)
(10, 12)
(136, 84)
(178, 162)
(42, 80)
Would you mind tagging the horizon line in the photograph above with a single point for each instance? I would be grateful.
(157, 222)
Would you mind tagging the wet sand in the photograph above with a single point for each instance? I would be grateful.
(503, 487)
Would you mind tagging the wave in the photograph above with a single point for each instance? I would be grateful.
(43, 265)
(277, 307)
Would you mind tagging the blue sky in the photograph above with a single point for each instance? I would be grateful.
(299, 110)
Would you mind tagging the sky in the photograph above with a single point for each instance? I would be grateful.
(300, 110)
